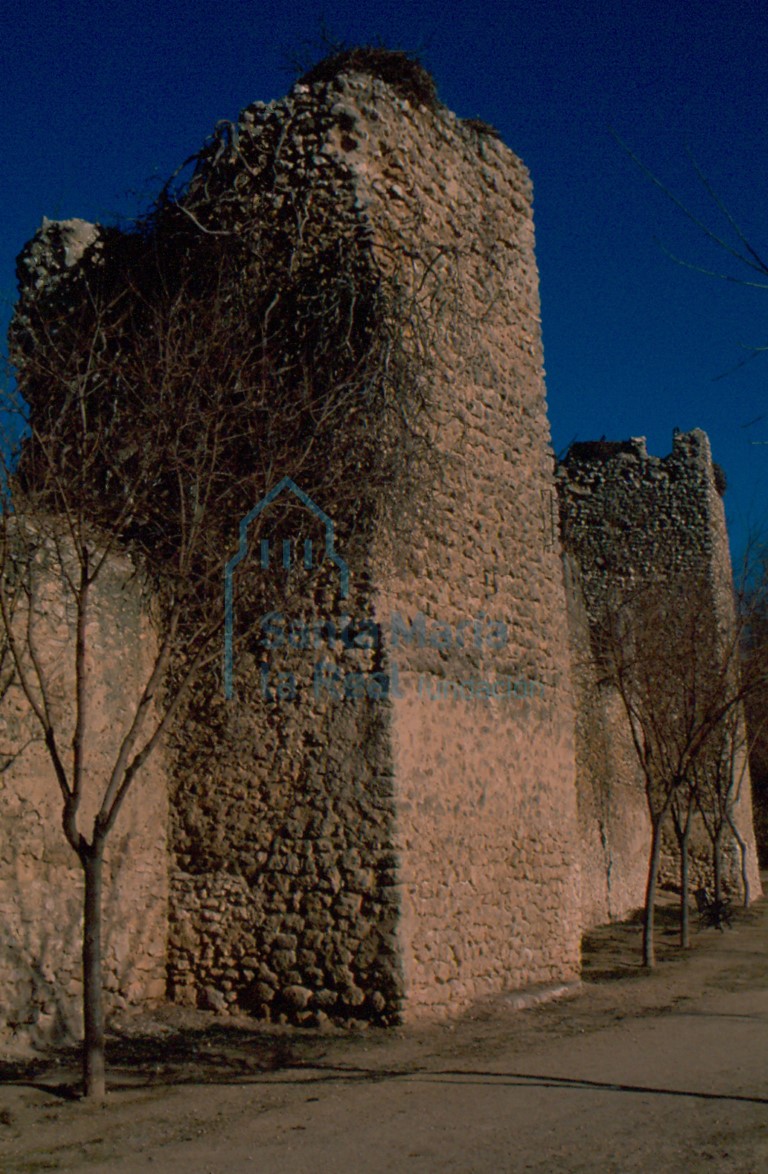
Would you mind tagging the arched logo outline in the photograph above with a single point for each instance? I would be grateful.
(242, 550)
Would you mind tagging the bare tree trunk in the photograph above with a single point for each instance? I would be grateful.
(681, 821)
(685, 914)
(94, 1084)
(743, 860)
(649, 957)
(717, 862)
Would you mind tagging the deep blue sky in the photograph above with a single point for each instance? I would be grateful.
(102, 101)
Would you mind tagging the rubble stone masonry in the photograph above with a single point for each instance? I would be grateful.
(401, 856)
(630, 519)
(395, 816)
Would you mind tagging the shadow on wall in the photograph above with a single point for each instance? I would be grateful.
(38, 960)
(40, 949)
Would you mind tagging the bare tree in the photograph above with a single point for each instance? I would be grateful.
(676, 667)
(167, 390)
(745, 263)
(682, 809)
(97, 478)
(718, 785)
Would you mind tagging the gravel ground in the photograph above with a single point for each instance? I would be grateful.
(629, 1072)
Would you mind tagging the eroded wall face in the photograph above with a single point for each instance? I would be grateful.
(629, 520)
(284, 901)
(486, 866)
(284, 898)
(40, 878)
(404, 854)
(614, 828)
(482, 730)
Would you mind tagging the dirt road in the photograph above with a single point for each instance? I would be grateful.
(667, 1072)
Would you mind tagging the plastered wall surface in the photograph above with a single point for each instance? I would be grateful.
(484, 786)
(614, 829)
(452, 870)
(40, 877)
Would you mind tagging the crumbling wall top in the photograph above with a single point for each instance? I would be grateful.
(599, 458)
(628, 516)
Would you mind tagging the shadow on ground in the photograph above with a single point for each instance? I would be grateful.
(183, 1047)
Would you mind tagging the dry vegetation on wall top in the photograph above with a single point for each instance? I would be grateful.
(250, 317)
(401, 70)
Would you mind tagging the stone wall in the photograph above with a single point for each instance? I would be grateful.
(283, 894)
(401, 855)
(40, 877)
(419, 791)
(614, 831)
(629, 519)
(483, 786)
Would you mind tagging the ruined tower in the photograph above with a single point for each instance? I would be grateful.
(630, 520)
(376, 820)
(385, 793)
(407, 852)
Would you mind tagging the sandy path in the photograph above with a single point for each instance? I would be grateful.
(660, 1073)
